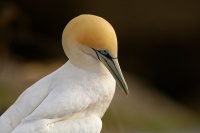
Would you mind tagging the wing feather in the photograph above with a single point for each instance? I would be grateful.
(27, 102)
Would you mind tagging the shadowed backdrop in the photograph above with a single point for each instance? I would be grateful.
(159, 48)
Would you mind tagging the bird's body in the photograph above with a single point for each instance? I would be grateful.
(72, 99)
(67, 94)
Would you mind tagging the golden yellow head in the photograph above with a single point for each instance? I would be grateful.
(87, 38)
(92, 31)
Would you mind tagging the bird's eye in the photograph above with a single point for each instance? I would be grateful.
(104, 52)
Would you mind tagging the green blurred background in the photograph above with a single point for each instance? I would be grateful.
(159, 44)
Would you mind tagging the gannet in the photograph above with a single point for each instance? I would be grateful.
(73, 98)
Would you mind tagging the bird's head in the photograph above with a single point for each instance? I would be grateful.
(94, 38)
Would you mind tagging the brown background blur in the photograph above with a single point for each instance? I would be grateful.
(159, 51)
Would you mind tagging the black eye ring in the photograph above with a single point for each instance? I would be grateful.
(104, 52)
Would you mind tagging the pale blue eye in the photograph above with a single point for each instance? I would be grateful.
(104, 52)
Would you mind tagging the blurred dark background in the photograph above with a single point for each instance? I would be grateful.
(159, 41)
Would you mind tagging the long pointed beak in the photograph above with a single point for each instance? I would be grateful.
(113, 66)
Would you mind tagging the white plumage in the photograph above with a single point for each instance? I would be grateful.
(73, 98)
